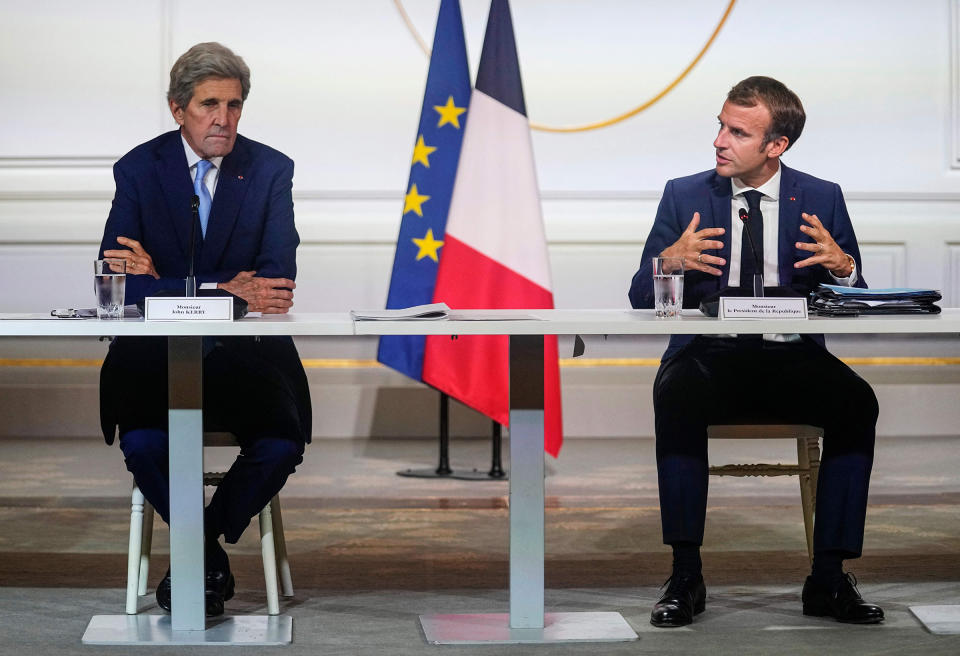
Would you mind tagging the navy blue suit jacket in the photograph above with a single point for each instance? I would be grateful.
(710, 194)
(250, 228)
(251, 219)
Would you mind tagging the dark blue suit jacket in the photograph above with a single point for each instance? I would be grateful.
(251, 220)
(710, 194)
(251, 228)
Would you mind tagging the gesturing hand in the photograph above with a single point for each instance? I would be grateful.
(825, 250)
(138, 260)
(265, 295)
(693, 243)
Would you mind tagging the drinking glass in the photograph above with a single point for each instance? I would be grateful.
(109, 283)
(668, 286)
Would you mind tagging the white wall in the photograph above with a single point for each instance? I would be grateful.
(338, 85)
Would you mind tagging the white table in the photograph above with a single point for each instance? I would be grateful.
(186, 625)
(526, 620)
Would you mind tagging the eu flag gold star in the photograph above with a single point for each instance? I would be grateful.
(421, 152)
(414, 201)
(428, 246)
(449, 113)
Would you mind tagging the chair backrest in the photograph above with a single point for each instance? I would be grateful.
(762, 431)
(215, 438)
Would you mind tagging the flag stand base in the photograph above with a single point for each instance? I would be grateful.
(425, 473)
(443, 469)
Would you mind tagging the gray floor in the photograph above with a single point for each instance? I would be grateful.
(66, 501)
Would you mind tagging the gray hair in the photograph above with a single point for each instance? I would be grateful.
(202, 61)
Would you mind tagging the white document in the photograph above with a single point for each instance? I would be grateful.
(429, 312)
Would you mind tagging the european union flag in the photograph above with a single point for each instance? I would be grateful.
(433, 169)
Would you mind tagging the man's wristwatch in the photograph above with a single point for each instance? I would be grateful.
(853, 265)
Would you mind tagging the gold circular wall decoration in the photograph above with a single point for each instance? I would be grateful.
(606, 122)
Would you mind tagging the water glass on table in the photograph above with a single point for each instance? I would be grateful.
(668, 286)
(109, 283)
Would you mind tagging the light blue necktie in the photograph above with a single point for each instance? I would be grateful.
(203, 193)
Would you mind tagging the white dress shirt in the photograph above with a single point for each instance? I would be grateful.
(213, 174)
(770, 207)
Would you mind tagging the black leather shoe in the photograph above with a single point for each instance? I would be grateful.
(844, 605)
(219, 588)
(163, 592)
(685, 597)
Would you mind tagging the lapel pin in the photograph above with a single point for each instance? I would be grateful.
(791, 198)
(240, 177)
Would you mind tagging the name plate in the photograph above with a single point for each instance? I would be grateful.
(732, 307)
(187, 308)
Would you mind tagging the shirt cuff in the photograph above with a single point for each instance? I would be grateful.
(849, 281)
(208, 285)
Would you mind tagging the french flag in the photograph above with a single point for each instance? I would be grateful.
(495, 249)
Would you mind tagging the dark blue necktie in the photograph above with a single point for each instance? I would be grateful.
(755, 225)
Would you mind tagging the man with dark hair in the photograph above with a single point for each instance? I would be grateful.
(254, 387)
(804, 238)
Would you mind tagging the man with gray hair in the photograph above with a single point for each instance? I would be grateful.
(246, 243)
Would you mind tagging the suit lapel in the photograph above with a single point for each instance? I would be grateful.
(174, 176)
(791, 202)
(720, 194)
(232, 185)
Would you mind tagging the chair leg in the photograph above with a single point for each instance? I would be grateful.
(134, 549)
(280, 543)
(269, 560)
(145, 546)
(813, 453)
(808, 487)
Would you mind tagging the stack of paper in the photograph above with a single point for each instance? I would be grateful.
(834, 300)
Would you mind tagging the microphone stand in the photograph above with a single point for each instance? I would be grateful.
(194, 220)
(758, 271)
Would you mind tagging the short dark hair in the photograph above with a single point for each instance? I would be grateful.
(202, 61)
(786, 111)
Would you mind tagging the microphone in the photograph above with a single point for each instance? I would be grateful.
(758, 272)
(194, 220)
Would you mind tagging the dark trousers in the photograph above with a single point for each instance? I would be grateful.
(749, 381)
(257, 474)
(243, 393)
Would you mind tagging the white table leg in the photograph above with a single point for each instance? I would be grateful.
(185, 369)
(187, 622)
(526, 622)
(526, 482)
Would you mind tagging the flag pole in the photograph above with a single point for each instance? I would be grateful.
(443, 470)
(496, 472)
(443, 466)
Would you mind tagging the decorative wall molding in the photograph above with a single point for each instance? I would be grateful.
(74, 213)
(55, 191)
(952, 276)
(884, 264)
(598, 402)
(955, 82)
(56, 164)
(165, 52)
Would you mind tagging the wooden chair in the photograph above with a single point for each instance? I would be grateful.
(273, 547)
(807, 467)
